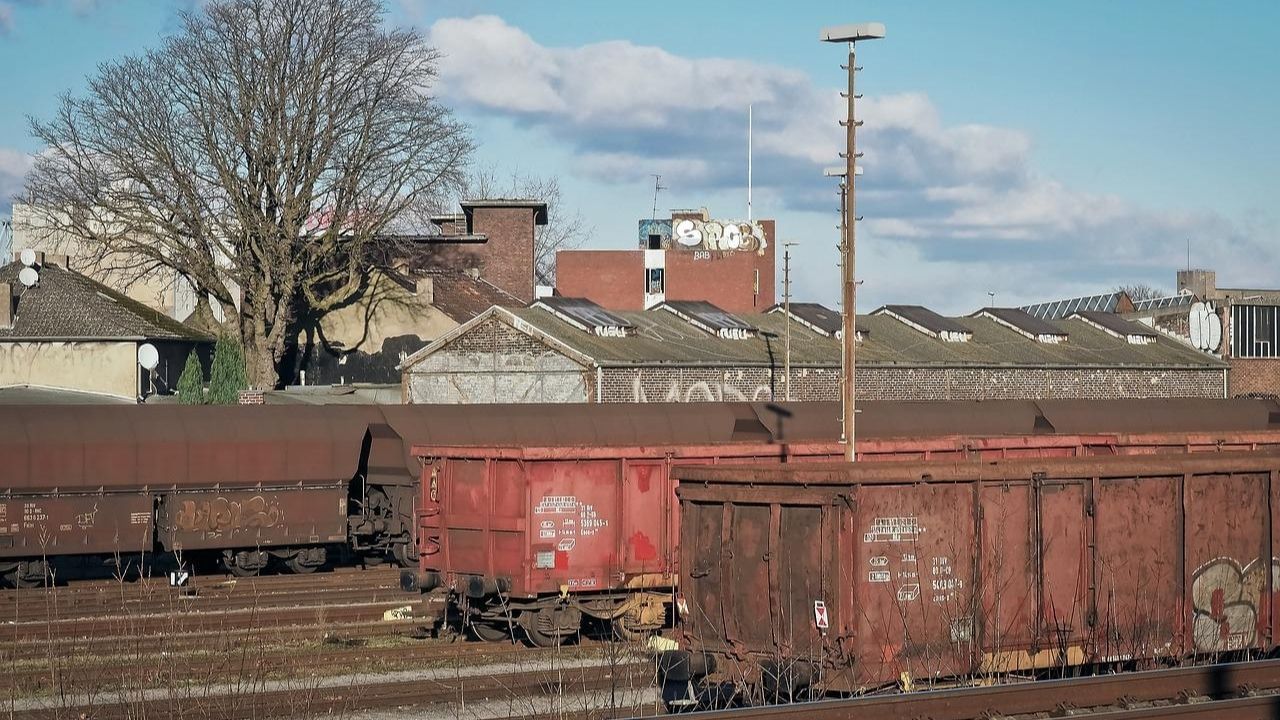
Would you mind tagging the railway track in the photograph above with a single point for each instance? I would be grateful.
(1233, 690)
(100, 598)
(527, 687)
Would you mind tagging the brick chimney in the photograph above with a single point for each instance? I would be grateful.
(506, 257)
(6, 305)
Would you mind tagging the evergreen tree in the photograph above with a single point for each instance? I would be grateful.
(191, 381)
(227, 377)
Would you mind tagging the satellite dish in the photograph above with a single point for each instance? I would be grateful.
(28, 276)
(148, 356)
(27, 256)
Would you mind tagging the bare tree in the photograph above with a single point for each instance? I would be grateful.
(565, 229)
(1140, 291)
(264, 152)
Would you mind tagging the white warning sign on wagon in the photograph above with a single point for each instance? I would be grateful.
(820, 615)
(893, 529)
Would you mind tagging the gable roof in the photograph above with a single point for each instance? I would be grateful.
(66, 305)
(664, 339)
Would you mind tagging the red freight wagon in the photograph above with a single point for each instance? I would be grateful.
(530, 540)
(851, 577)
(513, 532)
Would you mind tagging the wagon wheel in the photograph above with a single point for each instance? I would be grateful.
(490, 632)
(241, 571)
(295, 565)
(16, 579)
(537, 638)
(625, 630)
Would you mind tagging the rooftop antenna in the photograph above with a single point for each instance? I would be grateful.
(1188, 253)
(657, 186)
(749, 167)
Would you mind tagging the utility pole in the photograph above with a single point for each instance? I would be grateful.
(786, 311)
(850, 34)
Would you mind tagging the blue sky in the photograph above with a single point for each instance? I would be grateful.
(1029, 149)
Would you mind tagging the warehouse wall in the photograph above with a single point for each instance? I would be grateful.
(495, 363)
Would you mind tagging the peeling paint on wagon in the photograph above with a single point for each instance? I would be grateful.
(1057, 598)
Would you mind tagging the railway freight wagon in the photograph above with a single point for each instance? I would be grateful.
(531, 541)
(96, 488)
(845, 578)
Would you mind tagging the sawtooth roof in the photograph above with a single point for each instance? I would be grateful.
(67, 305)
(663, 338)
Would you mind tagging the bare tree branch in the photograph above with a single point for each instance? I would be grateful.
(261, 153)
(565, 228)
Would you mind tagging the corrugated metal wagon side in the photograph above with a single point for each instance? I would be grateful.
(852, 577)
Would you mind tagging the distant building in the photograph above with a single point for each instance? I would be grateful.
(69, 337)
(472, 260)
(1239, 325)
(690, 256)
(573, 350)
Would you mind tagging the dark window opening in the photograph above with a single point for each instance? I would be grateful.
(657, 281)
(655, 242)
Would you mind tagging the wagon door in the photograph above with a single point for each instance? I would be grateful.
(1229, 564)
(1062, 560)
(1137, 526)
(913, 580)
(646, 516)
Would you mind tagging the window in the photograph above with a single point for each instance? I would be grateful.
(655, 242)
(1253, 331)
(657, 281)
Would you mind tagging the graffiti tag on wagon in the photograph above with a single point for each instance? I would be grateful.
(1225, 596)
(893, 529)
(222, 514)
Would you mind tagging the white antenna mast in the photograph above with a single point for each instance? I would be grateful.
(748, 162)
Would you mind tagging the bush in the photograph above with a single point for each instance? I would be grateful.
(191, 381)
(227, 378)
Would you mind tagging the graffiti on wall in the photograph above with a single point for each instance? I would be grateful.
(221, 514)
(702, 391)
(717, 235)
(1225, 596)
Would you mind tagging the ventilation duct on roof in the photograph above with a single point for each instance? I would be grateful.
(709, 318)
(1025, 324)
(1116, 326)
(586, 315)
(928, 322)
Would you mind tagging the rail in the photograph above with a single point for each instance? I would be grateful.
(1229, 689)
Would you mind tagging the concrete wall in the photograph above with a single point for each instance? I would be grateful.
(110, 368)
(494, 363)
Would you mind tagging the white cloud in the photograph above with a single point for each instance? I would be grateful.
(13, 170)
(6, 17)
(946, 205)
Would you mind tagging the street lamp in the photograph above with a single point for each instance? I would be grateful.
(850, 34)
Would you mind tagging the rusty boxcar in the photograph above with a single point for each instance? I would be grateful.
(858, 576)
(530, 541)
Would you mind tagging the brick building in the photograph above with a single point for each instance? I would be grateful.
(1238, 325)
(1250, 331)
(572, 350)
(687, 257)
